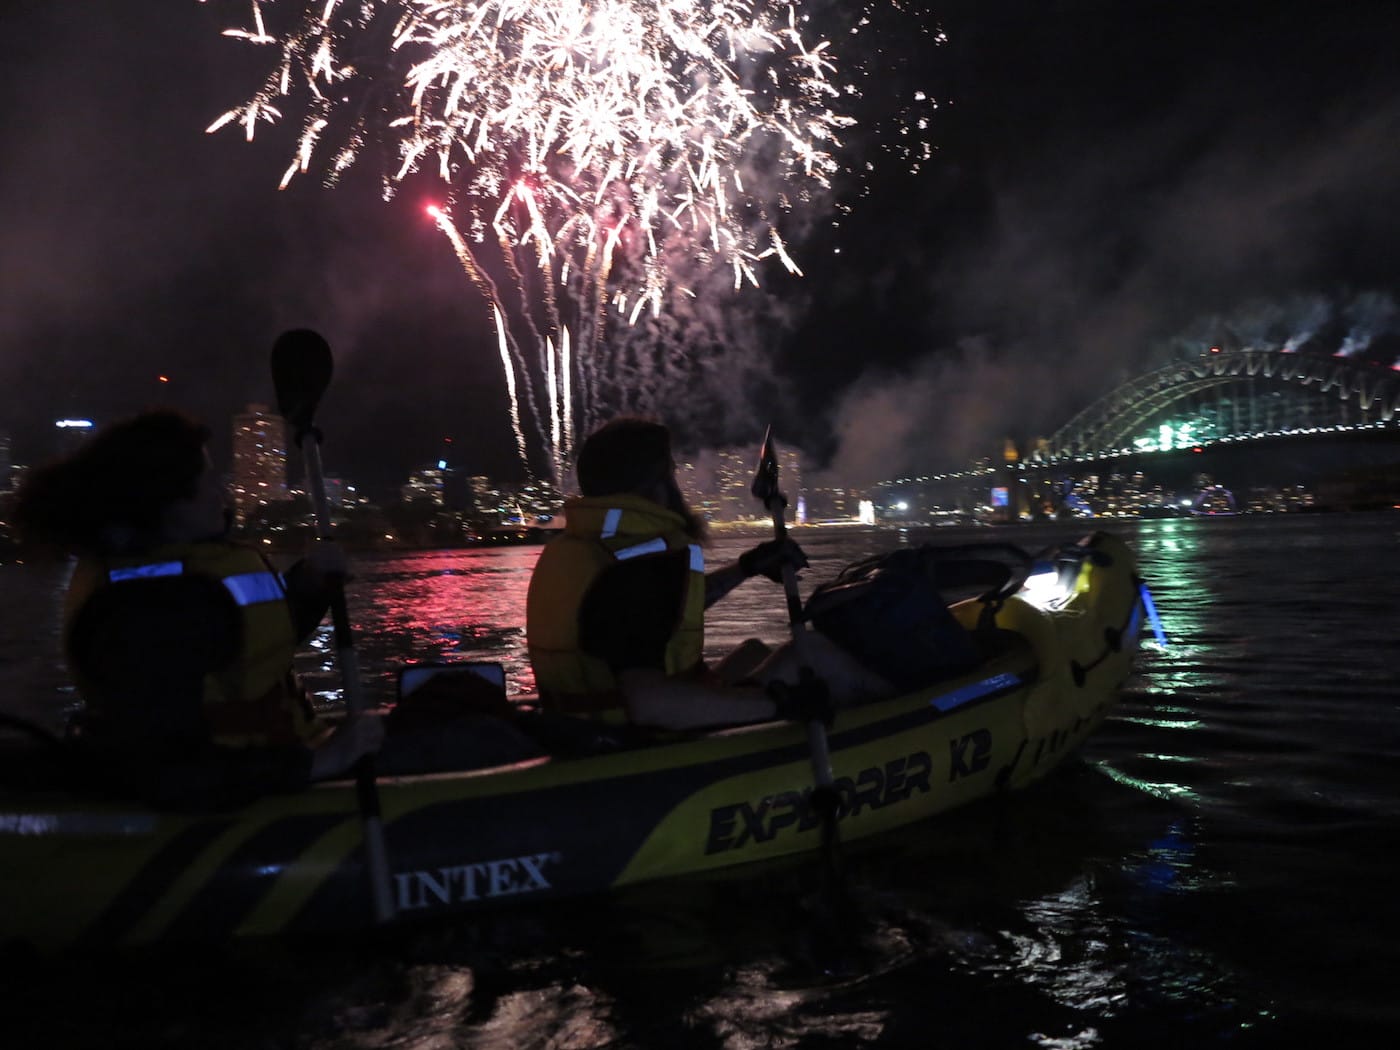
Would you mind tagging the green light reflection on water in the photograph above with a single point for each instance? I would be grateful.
(1080, 947)
(1169, 559)
(1160, 723)
(1165, 790)
(1164, 710)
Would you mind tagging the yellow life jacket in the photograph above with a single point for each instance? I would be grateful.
(600, 532)
(253, 701)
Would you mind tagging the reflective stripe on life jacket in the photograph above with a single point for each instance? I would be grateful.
(255, 699)
(599, 533)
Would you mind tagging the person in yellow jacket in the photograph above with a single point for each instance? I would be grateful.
(181, 641)
(616, 605)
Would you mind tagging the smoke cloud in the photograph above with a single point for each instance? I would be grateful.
(1104, 252)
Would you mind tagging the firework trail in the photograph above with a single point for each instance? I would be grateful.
(583, 146)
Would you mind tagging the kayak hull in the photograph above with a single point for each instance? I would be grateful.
(87, 872)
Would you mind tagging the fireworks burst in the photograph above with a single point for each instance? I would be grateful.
(585, 145)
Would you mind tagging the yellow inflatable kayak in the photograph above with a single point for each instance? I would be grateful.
(81, 871)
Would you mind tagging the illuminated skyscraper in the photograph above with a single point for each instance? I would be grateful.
(485, 496)
(790, 481)
(259, 461)
(734, 481)
(425, 484)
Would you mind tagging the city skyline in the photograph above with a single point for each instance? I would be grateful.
(259, 466)
(440, 506)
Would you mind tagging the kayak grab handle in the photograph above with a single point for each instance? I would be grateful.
(1150, 608)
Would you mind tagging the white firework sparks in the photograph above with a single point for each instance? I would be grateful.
(582, 145)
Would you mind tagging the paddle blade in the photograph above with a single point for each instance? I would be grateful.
(301, 371)
(765, 478)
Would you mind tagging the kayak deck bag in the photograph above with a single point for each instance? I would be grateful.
(890, 611)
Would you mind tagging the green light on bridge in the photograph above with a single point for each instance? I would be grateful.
(1169, 436)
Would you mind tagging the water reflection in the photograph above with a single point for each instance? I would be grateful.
(432, 606)
(1081, 948)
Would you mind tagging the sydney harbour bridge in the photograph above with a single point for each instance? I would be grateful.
(1192, 417)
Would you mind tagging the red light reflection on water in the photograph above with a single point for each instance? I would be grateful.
(444, 605)
(458, 605)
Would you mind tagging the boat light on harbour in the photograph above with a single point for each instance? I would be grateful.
(1045, 587)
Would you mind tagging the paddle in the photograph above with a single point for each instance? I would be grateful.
(301, 371)
(824, 798)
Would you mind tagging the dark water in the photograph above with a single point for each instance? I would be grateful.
(1217, 869)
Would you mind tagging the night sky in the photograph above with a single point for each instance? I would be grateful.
(1111, 181)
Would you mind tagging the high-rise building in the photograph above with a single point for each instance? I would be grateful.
(485, 496)
(790, 482)
(340, 494)
(697, 482)
(539, 498)
(835, 502)
(734, 474)
(259, 461)
(425, 484)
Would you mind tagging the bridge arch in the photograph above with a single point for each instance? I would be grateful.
(1110, 423)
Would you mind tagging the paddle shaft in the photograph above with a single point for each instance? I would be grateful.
(340, 617)
(816, 732)
(366, 789)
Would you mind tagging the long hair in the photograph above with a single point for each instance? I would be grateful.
(114, 490)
